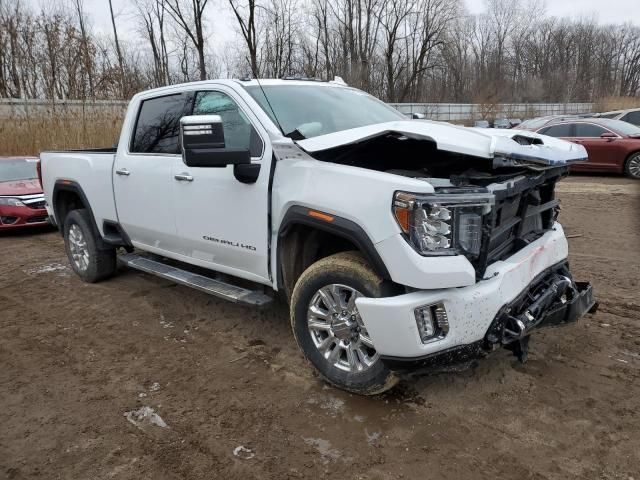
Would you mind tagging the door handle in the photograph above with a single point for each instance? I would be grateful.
(183, 177)
(123, 171)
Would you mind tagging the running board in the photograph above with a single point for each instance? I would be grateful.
(233, 293)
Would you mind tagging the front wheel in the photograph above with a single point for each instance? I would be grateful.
(328, 328)
(632, 167)
(91, 260)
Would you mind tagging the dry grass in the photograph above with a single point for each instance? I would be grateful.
(608, 104)
(35, 133)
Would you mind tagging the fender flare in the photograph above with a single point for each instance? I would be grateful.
(338, 226)
(74, 187)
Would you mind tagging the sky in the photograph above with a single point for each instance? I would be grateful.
(222, 22)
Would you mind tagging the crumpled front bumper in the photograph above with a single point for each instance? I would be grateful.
(479, 316)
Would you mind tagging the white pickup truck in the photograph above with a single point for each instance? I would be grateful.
(399, 244)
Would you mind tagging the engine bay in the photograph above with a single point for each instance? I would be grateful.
(398, 154)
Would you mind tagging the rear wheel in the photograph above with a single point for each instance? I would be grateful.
(632, 167)
(328, 328)
(89, 257)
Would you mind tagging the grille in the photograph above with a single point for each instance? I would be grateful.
(38, 219)
(522, 213)
(36, 205)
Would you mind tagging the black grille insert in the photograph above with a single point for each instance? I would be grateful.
(523, 212)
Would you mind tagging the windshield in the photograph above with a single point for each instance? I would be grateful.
(309, 111)
(18, 169)
(619, 126)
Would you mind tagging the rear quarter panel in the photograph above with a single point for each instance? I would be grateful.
(92, 172)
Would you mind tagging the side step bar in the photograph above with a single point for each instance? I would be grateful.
(208, 285)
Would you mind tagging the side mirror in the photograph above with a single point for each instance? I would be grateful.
(203, 143)
(609, 135)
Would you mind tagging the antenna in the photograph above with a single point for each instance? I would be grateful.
(275, 117)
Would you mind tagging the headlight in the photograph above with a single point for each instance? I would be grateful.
(443, 224)
(12, 202)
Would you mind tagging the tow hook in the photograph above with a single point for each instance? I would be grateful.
(520, 348)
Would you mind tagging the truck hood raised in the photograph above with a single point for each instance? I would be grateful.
(506, 147)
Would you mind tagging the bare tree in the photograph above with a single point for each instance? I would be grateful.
(246, 17)
(118, 51)
(189, 15)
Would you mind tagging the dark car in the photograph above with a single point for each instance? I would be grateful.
(22, 202)
(612, 145)
(631, 115)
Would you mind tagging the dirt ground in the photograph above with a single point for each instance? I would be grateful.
(75, 358)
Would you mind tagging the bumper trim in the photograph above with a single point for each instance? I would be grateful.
(543, 297)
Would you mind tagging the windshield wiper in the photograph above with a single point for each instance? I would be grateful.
(295, 135)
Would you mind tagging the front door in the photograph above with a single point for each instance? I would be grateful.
(143, 174)
(603, 153)
(223, 223)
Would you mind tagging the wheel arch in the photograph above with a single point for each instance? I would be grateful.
(306, 235)
(627, 159)
(68, 196)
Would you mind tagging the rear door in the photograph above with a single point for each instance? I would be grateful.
(223, 223)
(142, 174)
(566, 131)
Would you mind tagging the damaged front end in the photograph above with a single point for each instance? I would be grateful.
(553, 299)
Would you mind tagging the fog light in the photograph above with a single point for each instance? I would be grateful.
(424, 320)
(432, 322)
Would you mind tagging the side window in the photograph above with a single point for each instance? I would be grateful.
(562, 130)
(158, 126)
(632, 117)
(589, 130)
(238, 131)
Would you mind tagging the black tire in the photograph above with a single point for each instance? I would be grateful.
(352, 270)
(632, 166)
(101, 262)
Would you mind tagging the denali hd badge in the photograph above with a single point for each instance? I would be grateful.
(230, 243)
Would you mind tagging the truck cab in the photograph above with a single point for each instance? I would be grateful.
(397, 243)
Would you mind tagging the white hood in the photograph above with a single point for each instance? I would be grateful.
(478, 142)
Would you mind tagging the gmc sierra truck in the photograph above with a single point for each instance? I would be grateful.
(399, 244)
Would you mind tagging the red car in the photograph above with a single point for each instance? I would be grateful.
(21, 198)
(612, 145)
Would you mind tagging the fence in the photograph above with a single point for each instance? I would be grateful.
(20, 108)
(476, 111)
(462, 112)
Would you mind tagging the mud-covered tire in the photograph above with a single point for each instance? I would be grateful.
(632, 166)
(352, 270)
(99, 262)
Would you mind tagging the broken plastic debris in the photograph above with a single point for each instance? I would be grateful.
(155, 386)
(243, 452)
(145, 416)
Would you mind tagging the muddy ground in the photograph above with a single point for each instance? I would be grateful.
(75, 358)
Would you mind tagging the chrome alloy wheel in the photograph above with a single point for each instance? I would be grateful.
(337, 330)
(634, 166)
(78, 248)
